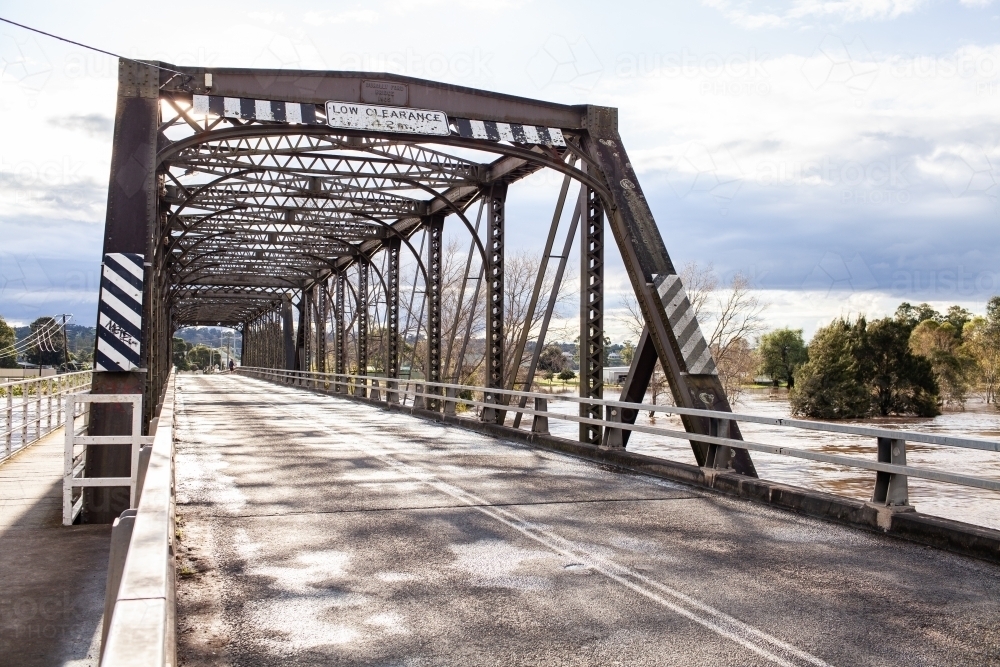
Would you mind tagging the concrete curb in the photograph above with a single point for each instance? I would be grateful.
(955, 536)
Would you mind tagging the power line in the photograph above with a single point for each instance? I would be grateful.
(92, 48)
(41, 338)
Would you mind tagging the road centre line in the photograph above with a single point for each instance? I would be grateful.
(751, 638)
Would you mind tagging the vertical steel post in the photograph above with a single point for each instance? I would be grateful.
(591, 313)
(435, 233)
(339, 345)
(302, 334)
(362, 323)
(495, 299)
(392, 309)
(131, 221)
(320, 308)
(288, 333)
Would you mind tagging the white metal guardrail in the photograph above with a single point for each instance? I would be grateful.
(890, 464)
(139, 618)
(75, 452)
(33, 408)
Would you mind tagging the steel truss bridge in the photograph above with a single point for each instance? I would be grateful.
(246, 204)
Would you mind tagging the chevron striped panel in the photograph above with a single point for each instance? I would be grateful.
(695, 352)
(514, 133)
(247, 109)
(119, 327)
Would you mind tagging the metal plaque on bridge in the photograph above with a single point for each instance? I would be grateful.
(386, 119)
(384, 92)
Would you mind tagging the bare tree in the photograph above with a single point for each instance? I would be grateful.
(738, 321)
(700, 283)
(458, 307)
(734, 315)
(520, 272)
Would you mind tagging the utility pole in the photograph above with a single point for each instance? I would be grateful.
(65, 345)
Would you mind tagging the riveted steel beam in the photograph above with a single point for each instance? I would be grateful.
(363, 314)
(392, 351)
(591, 312)
(435, 260)
(495, 239)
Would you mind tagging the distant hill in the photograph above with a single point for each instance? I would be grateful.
(79, 338)
(210, 337)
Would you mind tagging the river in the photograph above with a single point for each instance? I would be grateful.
(978, 420)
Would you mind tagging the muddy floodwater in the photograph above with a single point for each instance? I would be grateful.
(978, 420)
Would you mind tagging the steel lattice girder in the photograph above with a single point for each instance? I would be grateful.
(242, 202)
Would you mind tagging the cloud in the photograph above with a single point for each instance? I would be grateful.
(92, 124)
(801, 11)
(330, 17)
(50, 187)
(841, 170)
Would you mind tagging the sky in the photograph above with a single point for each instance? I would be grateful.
(844, 155)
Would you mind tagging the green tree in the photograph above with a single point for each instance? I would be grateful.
(8, 359)
(951, 362)
(628, 352)
(828, 385)
(181, 348)
(957, 317)
(860, 369)
(781, 353)
(567, 375)
(48, 348)
(203, 358)
(981, 337)
(914, 315)
(552, 359)
(900, 381)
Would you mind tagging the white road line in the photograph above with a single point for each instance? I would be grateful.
(751, 638)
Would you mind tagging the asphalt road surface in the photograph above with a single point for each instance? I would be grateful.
(315, 530)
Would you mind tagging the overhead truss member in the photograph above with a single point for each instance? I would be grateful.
(247, 194)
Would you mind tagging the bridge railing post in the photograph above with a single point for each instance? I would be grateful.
(614, 439)
(418, 400)
(375, 394)
(451, 394)
(392, 393)
(719, 456)
(9, 438)
(891, 489)
(540, 422)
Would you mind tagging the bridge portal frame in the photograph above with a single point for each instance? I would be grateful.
(283, 207)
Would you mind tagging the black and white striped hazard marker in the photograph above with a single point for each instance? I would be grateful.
(119, 327)
(696, 354)
(295, 113)
(249, 109)
(514, 133)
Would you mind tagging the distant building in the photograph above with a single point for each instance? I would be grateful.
(615, 374)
